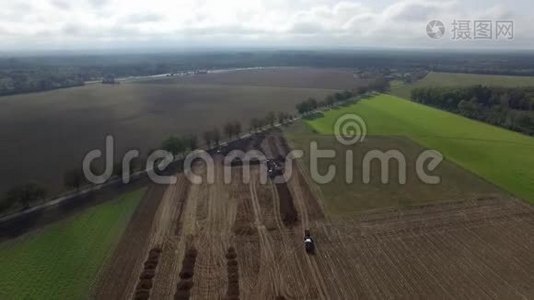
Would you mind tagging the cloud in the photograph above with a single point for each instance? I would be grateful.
(304, 23)
(143, 18)
(72, 29)
(98, 3)
(61, 4)
(413, 11)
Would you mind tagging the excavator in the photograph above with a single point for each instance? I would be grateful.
(309, 245)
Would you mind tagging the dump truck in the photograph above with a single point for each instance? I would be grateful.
(309, 245)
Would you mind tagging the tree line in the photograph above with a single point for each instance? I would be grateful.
(27, 81)
(311, 104)
(31, 193)
(511, 108)
(36, 73)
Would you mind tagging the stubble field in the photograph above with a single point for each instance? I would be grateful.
(462, 239)
(233, 240)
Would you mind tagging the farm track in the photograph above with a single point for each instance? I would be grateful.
(470, 249)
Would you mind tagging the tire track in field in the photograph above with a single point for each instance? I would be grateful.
(214, 238)
(161, 227)
(315, 272)
(173, 247)
(268, 278)
(296, 266)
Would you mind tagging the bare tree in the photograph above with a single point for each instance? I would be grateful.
(229, 130)
(173, 145)
(254, 124)
(237, 128)
(216, 135)
(270, 119)
(330, 100)
(26, 194)
(282, 117)
(208, 138)
(74, 178)
(191, 142)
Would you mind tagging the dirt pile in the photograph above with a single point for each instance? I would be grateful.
(232, 268)
(144, 285)
(184, 286)
(288, 212)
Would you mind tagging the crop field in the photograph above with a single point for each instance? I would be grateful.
(212, 241)
(337, 79)
(62, 260)
(437, 79)
(348, 199)
(499, 156)
(466, 237)
(46, 134)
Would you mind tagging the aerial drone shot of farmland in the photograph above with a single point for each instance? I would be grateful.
(266, 150)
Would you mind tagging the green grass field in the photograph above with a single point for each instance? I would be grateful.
(502, 157)
(346, 199)
(437, 79)
(61, 261)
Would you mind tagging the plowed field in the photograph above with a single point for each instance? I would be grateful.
(472, 249)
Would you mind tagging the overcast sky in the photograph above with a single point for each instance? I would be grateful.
(104, 24)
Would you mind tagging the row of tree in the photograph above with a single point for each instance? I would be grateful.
(505, 107)
(27, 194)
(311, 104)
(258, 124)
(75, 179)
(24, 195)
(179, 145)
(379, 84)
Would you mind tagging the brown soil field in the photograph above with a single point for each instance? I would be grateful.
(337, 79)
(46, 134)
(477, 248)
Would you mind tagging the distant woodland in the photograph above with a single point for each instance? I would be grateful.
(31, 74)
(505, 107)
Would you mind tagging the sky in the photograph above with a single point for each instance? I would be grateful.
(108, 24)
